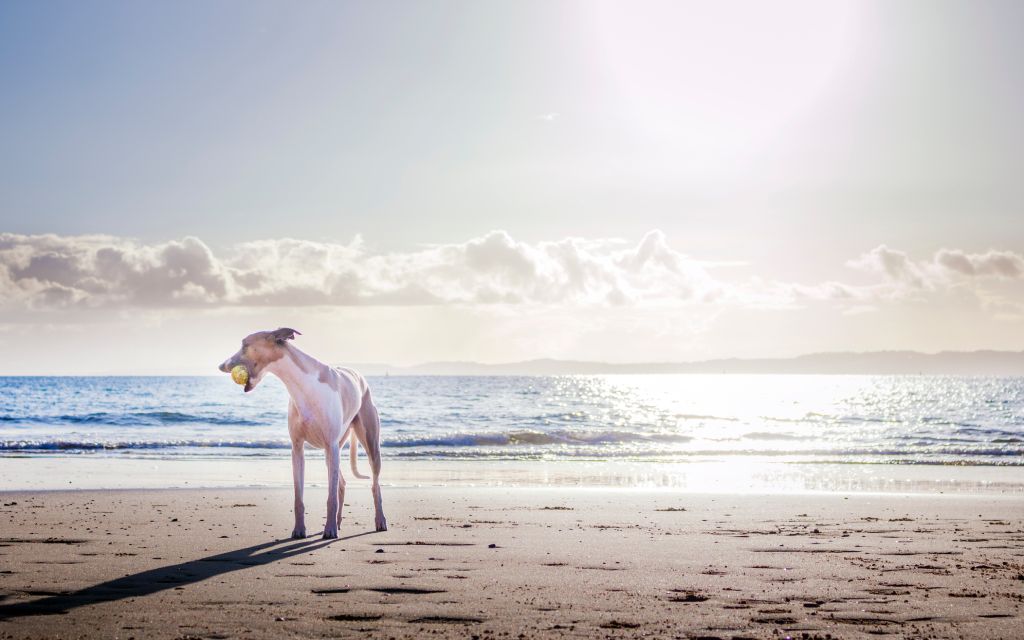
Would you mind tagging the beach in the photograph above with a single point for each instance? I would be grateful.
(681, 320)
(490, 562)
(520, 507)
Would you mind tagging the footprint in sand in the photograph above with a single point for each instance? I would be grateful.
(446, 620)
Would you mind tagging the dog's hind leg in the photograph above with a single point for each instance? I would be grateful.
(341, 477)
(369, 436)
(341, 494)
(356, 428)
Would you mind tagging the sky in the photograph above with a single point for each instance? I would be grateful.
(500, 181)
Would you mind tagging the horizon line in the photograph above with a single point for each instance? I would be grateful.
(844, 362)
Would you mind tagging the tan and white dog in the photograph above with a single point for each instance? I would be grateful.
(327, 405)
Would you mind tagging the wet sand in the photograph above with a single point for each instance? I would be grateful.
(521, 562)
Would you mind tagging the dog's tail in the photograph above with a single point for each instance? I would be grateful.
(352, 456)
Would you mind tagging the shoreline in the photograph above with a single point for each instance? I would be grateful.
(739, 476)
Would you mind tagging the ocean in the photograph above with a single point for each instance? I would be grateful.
(912, 420)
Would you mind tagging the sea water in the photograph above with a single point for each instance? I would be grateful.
(912, 420)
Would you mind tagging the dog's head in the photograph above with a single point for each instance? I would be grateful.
(259, 350)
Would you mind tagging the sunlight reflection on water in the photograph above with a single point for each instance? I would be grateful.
(692, 418)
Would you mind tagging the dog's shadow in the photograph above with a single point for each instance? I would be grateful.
(163, 578)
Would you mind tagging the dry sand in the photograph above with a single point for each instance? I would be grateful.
(518, 563)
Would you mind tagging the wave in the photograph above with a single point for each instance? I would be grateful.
(699, 416)
(27, 446)
(135, 418)
(973, 458)
(534, 438)
(945, 456)
(535, 444)
(767, 435)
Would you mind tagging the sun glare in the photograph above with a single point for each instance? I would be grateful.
(722, 78)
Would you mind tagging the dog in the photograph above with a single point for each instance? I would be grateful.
(326, 406)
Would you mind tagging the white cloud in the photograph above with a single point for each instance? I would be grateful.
(894, 266)
(96, 271)
(1002, 264)
(49, 271)
(903, 276)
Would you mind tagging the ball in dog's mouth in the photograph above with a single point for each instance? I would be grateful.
(240, 374)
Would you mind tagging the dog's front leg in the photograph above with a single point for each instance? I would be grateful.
(333, 486)
(298, 474)
(341, 496)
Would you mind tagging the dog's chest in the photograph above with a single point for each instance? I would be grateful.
(315, 416)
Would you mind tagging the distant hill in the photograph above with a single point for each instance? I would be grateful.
(875, 362)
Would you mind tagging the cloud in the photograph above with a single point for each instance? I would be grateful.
(947, 271)
(1002, 264)
(100, 270)
(104, 271)
(895, 266)
(947, 267)
(50, 271)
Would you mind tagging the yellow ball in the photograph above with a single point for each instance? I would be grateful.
(240, 374)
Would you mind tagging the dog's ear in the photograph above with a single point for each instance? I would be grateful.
(284, 333)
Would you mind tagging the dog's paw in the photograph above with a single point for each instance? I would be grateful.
(298, 534)
(330, 533)
(382, 524)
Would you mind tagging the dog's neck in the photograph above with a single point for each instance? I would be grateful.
(299, 372)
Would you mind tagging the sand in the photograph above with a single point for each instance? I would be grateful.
(511, 563)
